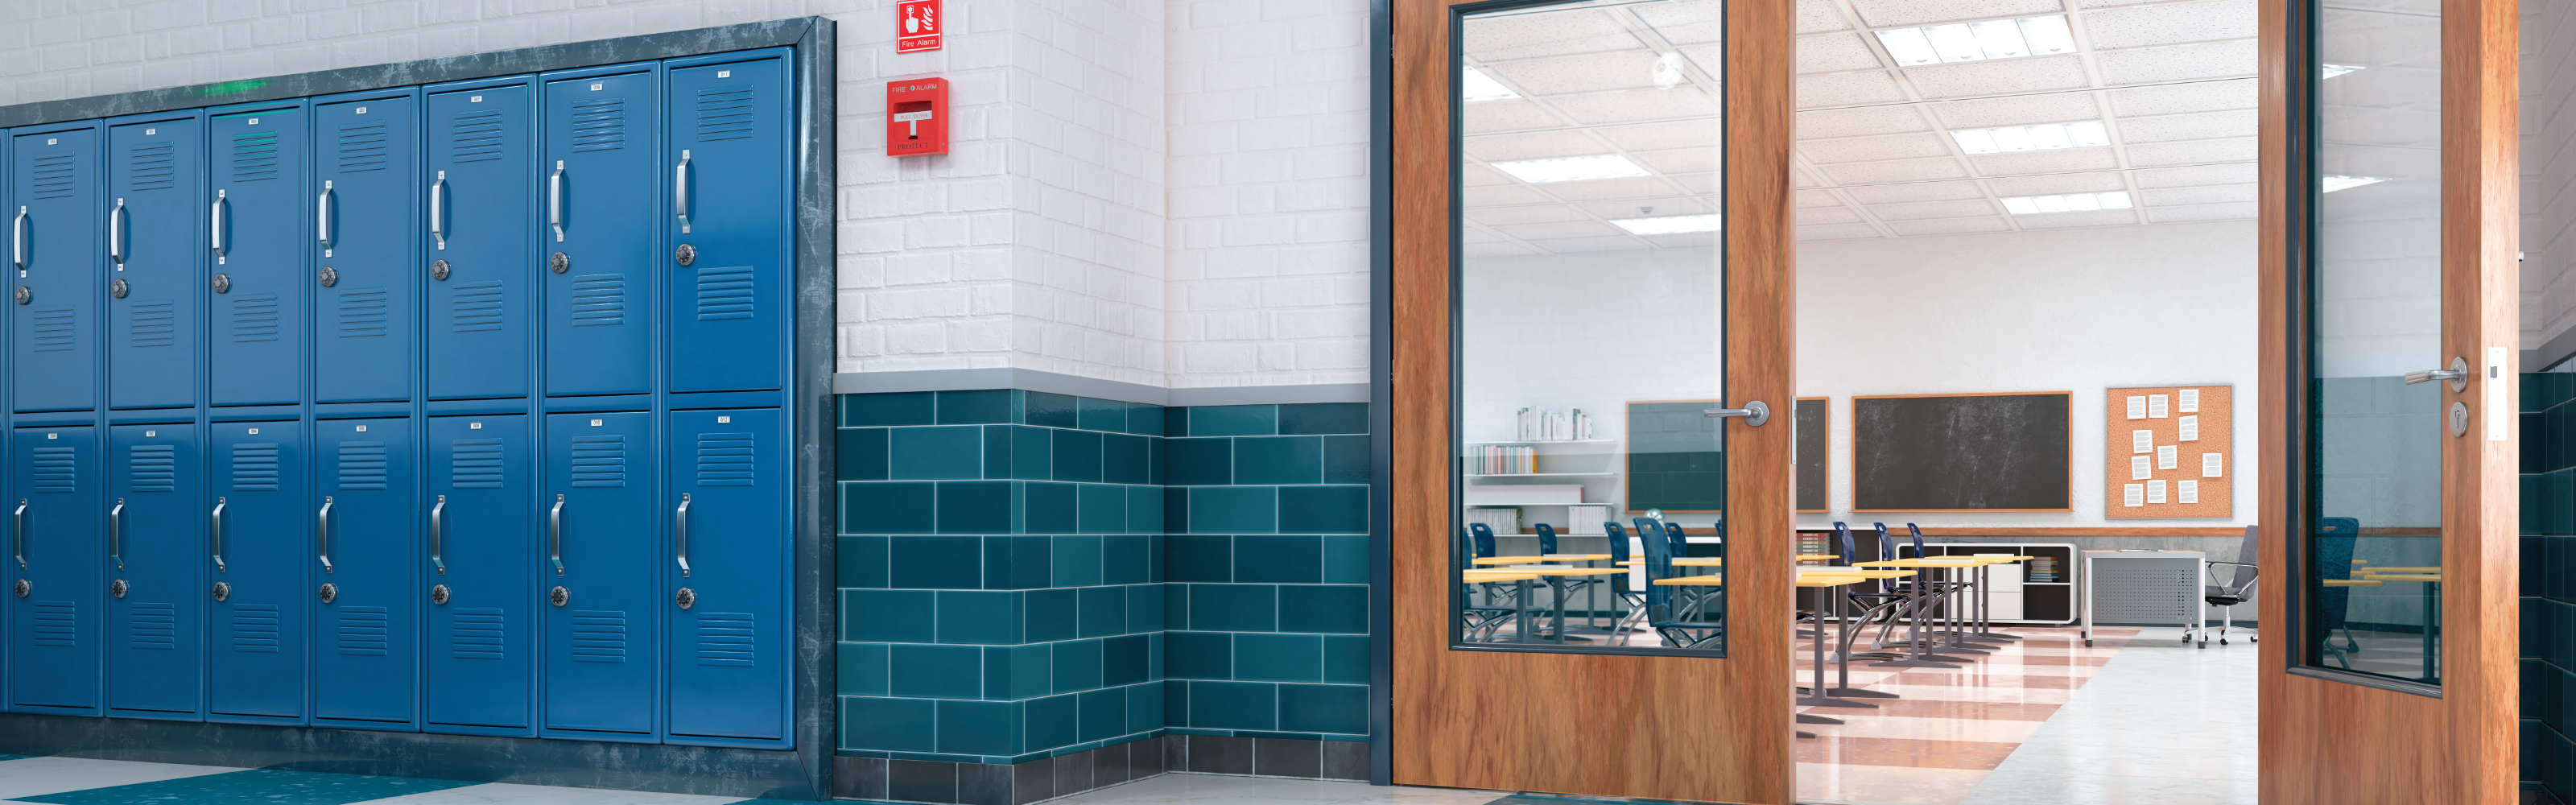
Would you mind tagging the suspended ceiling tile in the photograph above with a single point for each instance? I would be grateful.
(1495, 250)
(1700, 183)
(1481, 176)
(1799, 178)
(1683, 160)
(1664, 136)
(1667, 205)
(2203, 212)
(1816, 16)
(1539, 214)
(1477, 235)
(1817, 198)
(1607, 189)
(1684, 240)
(2062, 160)
(1859, 121)
(1933, 209)
(1881, 13)
(1566, 229)
(2061, 220)
(1710, 59)
(1636, 105)
(2177, 63)
(1686, 22)
(2201, 96)
(1513, 115)
(1590, 72)
(1999, 76)
(1902, 170)
(1847, 89)
(1537, 145)
(2240, 173)
(1836, 232)
(1827, 215)
(2212, 194)
(2019, 110)
(1927, 191)
(1871, 149)
(2200, 126)
(1622, 243)
(1526, 35)
(1834, 53)
(2172, 23)
(1949, 226)
(2059, 184)
(1498, 196)
(2185, 153)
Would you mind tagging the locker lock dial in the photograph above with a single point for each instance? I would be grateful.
(330, 592)
(558, 262)
(686, 598)
(686, 254)
(223, 590)
(118, 288)
(25, 296)
(117, 588)
(223, 283)
(558, 596)
(438, 594)
(438, 270)
(24, 588)
(330, 276)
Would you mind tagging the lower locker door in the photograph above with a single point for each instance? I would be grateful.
(156, 566)
(478, 665)
(259, 549)
(367, 636)
(54, 641)
(728, 658)
(602, 572)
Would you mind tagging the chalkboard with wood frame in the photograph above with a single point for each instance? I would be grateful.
(1992, 452)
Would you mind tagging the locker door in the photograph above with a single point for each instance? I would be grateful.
(364, 177)
(728, 658)
(261, 545)
(479, 166)
(54, 645)
(54, 248)
(262, 219)
(156, 541)
(600, 187)
(156, 232)
(478, 661)
(728, 149)
(366, 633)
(603, 569)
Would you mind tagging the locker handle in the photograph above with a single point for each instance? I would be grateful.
(116, 234)
(680, 191)
(554, 200)
(438, 210)
(18, 240)
(554, 528)
(681, 523)
(18, 533)
(322, 218)
(437, 514)
(216, 533)
(322, 534)
(116, 534)
(216, 225)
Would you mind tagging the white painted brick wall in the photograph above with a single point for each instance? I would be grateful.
(2548, 169)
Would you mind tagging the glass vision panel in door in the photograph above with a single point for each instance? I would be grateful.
(2373, 543)
(1589, 289)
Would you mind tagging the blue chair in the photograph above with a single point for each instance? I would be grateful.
(1484, 536)
(1546, 540)
(1619, 587)
(1480, 622)
(2334, 542)
(1674, 621)
(1877, 604)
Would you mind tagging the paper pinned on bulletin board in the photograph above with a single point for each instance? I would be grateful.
(2149, 469)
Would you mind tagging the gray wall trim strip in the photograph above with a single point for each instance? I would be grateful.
(2558, 348)
(1058, 383)
(1261, 395)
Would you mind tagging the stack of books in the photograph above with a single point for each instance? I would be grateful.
(1538, 425)
(2044, 569)
(1501, 459)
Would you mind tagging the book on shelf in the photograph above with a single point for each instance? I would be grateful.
(1501, 459)
(1541, 425)
(2044, 570)
(1502, 521)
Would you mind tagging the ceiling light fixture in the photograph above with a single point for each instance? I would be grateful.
(1475, 86)
(2086, 134)
(2334, 183)
(1572, 169)
(2075, 202)
(1978, 41)
(1669, 224)
(2325, 71)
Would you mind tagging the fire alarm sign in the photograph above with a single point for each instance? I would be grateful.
(917, 29)
(917, 117)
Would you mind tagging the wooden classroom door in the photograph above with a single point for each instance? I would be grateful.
(2389, 293)
(1592, 284)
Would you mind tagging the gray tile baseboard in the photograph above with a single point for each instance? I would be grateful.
(946, 783)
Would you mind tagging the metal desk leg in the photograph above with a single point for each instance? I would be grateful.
(1914, 654)
(1520, 613)
(1819, 697)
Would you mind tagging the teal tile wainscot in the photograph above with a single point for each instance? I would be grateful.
(1043, 594)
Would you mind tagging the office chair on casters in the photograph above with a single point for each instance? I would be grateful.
(2239, 589)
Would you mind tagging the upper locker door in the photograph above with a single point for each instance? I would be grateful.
(156, 542)
(365, 214)
(54, 241)
(53, 530)
(481, 620)
(729, 570)
(262, 541)
(156, 233)
(600, 186)
(727, 146)
(367, 642)
(262, 220)
(482, 275)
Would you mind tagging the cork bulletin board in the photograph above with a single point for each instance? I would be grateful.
(2188, 467)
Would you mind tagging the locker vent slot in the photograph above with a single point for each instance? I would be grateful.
(151, 166)
(254, 318)
(598, 635)
(476, 634)
(362, 465)
(57, 623)
(598, 461)
(54, 469)
(57, 329)
(255, 156)
(362, 313)
(724, 113)
(476, 136)
(362, 148)
(255, 467)
(362, 631)
(154, 626)
(599, 125)
(255, 628)
(724, 293)
(475, 464)
(598, 300)
(724, 459)
(153, 323)
(152, 467)
(724, 638)
(476, 306)
(53, 176)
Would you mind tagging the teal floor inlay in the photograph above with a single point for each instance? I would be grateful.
(253, 787)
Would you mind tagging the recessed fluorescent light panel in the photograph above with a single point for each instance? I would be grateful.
(1669, 224)
(1978, 41)
(2025, 205)
(1572, 169)
(2334, 183)
(1476, 86)
(2045, 136)
(2331, 70)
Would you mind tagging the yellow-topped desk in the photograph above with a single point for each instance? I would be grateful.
(1692, 581)
(2376, 571)
(1682, 561)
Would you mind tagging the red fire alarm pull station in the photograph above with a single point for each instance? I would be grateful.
(917, 117)
(917, 26)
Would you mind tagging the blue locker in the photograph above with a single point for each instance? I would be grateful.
(261, 545)
(481, 225)
(730, 574)
(263, 220)
(54, 240)
(601, 192)
(156, 232)
(727, 144)
(156, 538)
(366, 632)
(54, 646)
(483, 591)
(366, 215)
(602, 566)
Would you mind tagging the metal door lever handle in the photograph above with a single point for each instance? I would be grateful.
(1754, 413)
(2458, 374)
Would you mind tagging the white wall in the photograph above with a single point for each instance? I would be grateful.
(2548, 172)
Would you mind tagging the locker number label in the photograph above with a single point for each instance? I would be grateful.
(723, 419)
(597, 87)
(362, 110)
(474, 426)
(49, 141)
(53, 436)
(151, 433)
(151, 131)
(724, 73)
(594, 423)
(254, 431)
(362, 428)
(474, 99)
(253, 121)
